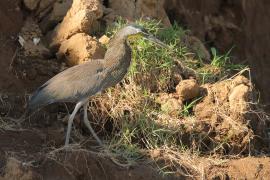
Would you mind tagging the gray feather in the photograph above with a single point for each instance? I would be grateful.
(85, 80)
(71, 85)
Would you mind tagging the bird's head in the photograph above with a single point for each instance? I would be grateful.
(135, 30)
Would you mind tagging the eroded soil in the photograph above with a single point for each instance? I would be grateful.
(32, 149)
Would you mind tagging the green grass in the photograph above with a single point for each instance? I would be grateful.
(151, 60)
(151, 72)
(220, 67)
(189, 106)
(139, 123)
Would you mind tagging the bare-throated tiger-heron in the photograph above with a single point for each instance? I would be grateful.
(78, 83)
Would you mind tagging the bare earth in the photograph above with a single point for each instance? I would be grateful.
(29, 150)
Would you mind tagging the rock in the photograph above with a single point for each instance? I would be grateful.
(104, 40)
(81, 22)
(239, 98)
(60, 9)
(140, 8)
(222, 113)
(170, 104)
(29, 32)
(45, 6)
(196, 46)
(240, 80)
(124, 8)
(188, 89)
(31, 4)
(94, 5)
(176, 77)
(172, 107)
(80, 48)
(32, 50)
(225, 99)
(81, 18)
(152, 8)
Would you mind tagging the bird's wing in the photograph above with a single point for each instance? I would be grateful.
(72, 84)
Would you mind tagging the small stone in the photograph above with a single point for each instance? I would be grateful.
(188, 89)
(169, 104)
(104, 40)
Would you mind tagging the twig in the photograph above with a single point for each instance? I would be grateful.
(13, 58)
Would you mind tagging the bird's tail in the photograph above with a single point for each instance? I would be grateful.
(38, 100)
(31, 104)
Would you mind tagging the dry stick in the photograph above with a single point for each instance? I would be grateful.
(13, 58)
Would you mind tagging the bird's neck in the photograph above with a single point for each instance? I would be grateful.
(118, 54)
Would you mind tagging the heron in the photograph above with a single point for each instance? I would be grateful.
(76, 84)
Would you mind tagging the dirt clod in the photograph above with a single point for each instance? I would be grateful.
(92, 5)
(224, 109)
(170, 104)
(79, 23)
(104, 39)
(80, 48)
(30, 40)
(238, 98)
(196, 46)
(187, 89)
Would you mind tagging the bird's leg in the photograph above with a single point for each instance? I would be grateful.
(88, 125)
(70, 121)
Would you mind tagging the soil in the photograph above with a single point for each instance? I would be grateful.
(240, 24)
(10, 25)
(32, 150)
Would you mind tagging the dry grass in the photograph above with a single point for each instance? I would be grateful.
(136, 129)
(135, 126)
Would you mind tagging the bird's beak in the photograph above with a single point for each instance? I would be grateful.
(154, 40)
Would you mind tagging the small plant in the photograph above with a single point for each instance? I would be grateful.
(223, 61)
(219, 60)
(189, 106)
(219, 68)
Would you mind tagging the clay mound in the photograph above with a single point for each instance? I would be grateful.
(223, 117)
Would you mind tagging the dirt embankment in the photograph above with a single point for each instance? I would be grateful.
(10, 24)
(29, 150)
(241, 24)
